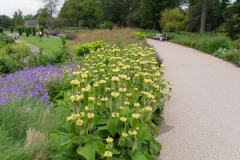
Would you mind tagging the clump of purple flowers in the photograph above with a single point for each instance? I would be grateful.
(71, 36)
(32, 82)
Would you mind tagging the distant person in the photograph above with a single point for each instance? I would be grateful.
(47, 34)
(39, 33)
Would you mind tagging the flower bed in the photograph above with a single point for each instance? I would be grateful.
(117, 101)
(35, 82)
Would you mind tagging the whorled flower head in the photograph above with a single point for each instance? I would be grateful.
(124, 135)
(79, 122)
(90, 115)
(136, 105)
(132, 133)
(115, 79)
(135, 115)
(123, 119)
(109, 140)
(108, 154)
(115, 94)
(115, 114)
(75, 82)
(91, 99)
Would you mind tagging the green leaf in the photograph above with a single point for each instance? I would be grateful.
(143, 132)
(112, 126)
(88, 151)
(134, 123)
(138, 155)
(85, 138)
(155, 147)
(135, 144)
(154, 127)
(118, 158)
(99, 146)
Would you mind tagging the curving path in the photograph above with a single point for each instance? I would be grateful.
(202, 119)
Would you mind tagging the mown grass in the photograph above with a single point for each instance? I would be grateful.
(48, 44)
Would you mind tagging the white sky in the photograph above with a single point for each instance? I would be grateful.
(8, 7)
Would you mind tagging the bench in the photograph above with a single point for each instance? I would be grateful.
(161, 37)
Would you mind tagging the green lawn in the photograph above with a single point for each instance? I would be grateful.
(48, 44)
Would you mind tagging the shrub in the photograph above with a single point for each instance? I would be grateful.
(1, 29)
(20, 30)
(11, 29)
(71, 36)
(212, 44)
(7, 39)
(27, 32)
(86, 48)
(140, 35)
(116, 100)
(106, 25)
(34, 31)
(30, 30)
(55, 33)
(221, 53)
(2, 44)
(231, 54)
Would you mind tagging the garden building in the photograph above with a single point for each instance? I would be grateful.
(29, 23)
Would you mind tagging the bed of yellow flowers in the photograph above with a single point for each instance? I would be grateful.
(117, 100)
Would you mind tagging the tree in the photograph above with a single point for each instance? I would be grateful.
(29, 17)
(150, 12)
(18, 18)
(5, 21)
(81, 13)
(204, 16)
(41, 16)
(215, 17)
(232, 25)
(173, 19)
(51, 6)
(71, 10)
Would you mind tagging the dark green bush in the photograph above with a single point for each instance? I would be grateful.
(11, 29)
(30, 30)
(231, 54)
(20, 30)
(34, 31)
(106, 25)
(7, 39)
(27, 32)
(1, 30)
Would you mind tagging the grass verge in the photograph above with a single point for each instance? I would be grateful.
(48, 44)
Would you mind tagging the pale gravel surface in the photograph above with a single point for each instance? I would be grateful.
(202, 119)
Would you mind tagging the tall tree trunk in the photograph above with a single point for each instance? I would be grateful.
(204, 16)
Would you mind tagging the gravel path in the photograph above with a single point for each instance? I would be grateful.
(202, 120)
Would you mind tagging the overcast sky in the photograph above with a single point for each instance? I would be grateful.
(8, 7)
